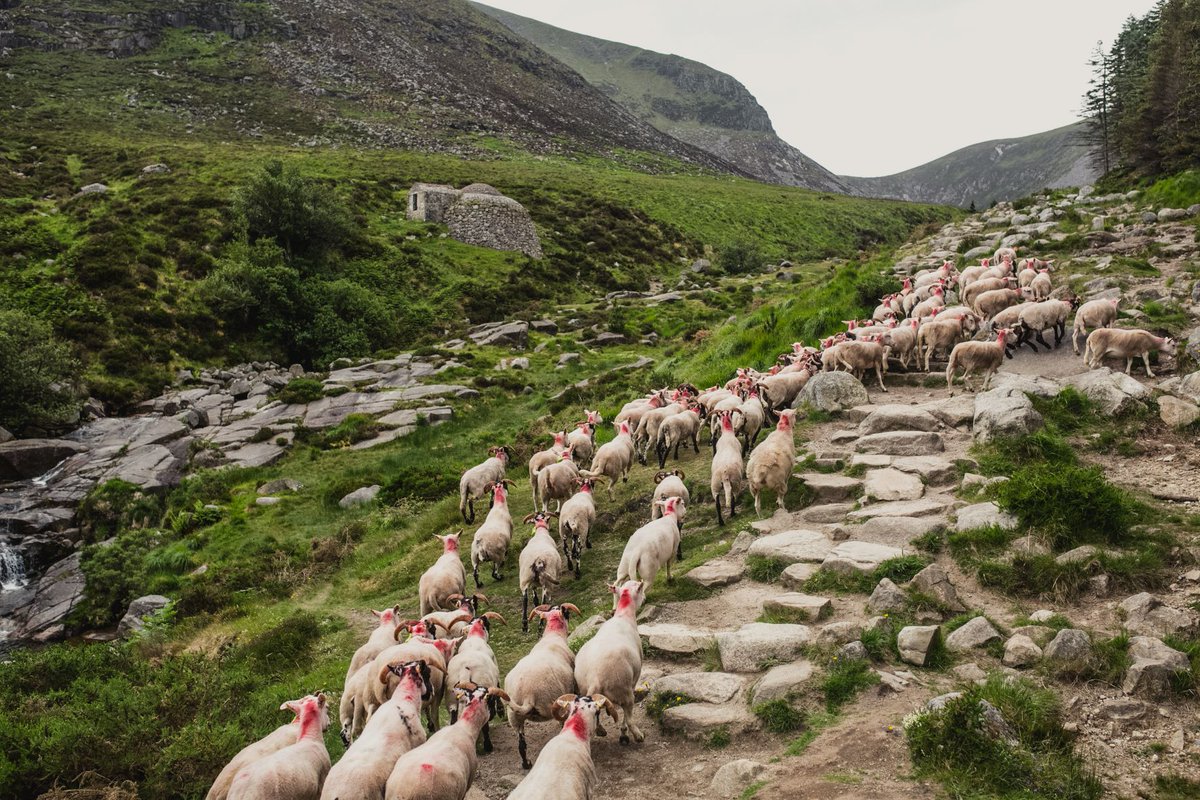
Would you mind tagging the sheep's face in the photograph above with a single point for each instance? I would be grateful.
(631, 595)
(417, 672)
(1168, 346)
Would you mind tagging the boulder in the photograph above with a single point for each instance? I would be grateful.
(793, 546)
(782, 680)
(831, 487)
(732, 779)
(956, 412)
(607, 339)
(509, 334)
(892, 484)
(1155, 668)
(22, 459)
(5, 436)
(280, 485)
(1114, 393)
(718, 572)
(975, 633)
(857, 556)
(916, 642)
(1146, 615)
(134, 620)
(1177, 413)
(796, 574)
(56, 595)
(983, 515)
(94, 188)
(832, 391)
(1171, 214)
(1036, 385)
(839, 633)
(887, 597)
(994, 723)
(934, 581)
(826, 513)
(752, 645)
(970, 672)
(697, 720)
(804, 606)
(853, 651)
(898, 418)
(933, 470)
(1021, 651)
(360, 497)
(706, 687)
(1085, 552)
(1004, 412)
(1070, 648)
(897, 531)
(1188, 387)
(679, 639)
(901, 443)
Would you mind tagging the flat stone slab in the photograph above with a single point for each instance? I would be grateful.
(957, 412)
(827, 513)
(719, 572)
(902, 508)
(898, 418)
(706, 687)
(856, 556)
(794, 576)
(793, 546)
(870, 460)
(808, 606)
(700, 719)
(901, 443)
(891, 484)
(983, 515)
(831, 487)
(782, 680)
(896, 531)
(932, 469)
(752, 646)
(679, 639)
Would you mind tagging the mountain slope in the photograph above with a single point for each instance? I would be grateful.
(1002, 169)
(686, 99)
(434, 75)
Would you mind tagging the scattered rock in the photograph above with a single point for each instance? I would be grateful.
(832, 391)
(915, 643)
(1070, 648)
(512, 334)
(857, 556)
(752, 645)
(718, 572)
(795, 575)
(1155, 667)
(853, 651)
(697, 720)
(94, 188)
(970, 672)
(1029, 546)
(983, 515)
(1122, 709)
(783, 680)
(733, 778)
(806, 607)
(679, 639)
(1042, 615)
(568, 358)
(831, 487)
(706, 687)
(1004, 412)
(1084, 552)
(887, 597)
(1146, 615)
(975, 633)
(993, 721)
(1114, 393)
(134, 620)
(934, 581)
(1177, 413)
(1021, 651)
(267, 501)
(280, 485)
(888, 418)
(360, 497)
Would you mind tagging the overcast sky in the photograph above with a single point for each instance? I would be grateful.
(872, 87)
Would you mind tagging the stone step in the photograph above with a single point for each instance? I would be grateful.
(783, 680)
(888, 418)
(697, 720)
(826, 514)
(794, 576)
(924, 507)
(891, 484)
(704, 687)
(805, 607)
(831, 488)
(901, 443)
(857, 556)
(793, 546)
(718, 572)
(752, 646)
(678, 639)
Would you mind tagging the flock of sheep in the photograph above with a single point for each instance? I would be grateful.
(410, 668)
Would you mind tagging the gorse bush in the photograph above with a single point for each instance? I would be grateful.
(1069, 505)
(38, 375)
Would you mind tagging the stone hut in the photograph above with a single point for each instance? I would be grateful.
(477, 214)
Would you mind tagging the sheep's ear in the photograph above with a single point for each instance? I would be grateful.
(377, 613)
(291, 705)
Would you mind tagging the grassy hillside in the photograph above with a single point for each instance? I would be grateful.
(1002, 169)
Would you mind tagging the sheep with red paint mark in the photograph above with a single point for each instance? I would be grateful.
(610, 663)
(545, 673)
(297, 771)
(564, 769)
(447, 576)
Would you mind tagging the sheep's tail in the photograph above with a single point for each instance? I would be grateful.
(462, 500)
(950, 367)
(539, 574)
(728, 485)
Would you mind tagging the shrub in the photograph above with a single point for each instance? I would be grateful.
(779, 716)
(844, 679)
(114, 505)
(301, 390)
(38, 375)
(1004, 455)
(740, 257)
(302, 216)
(1068, 504)
(115, 574)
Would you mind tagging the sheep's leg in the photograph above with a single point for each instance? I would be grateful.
(695, 445)
(661, 452)
(1146, 361)
(1075, 340)
(1128, 365)
(475, 572)
(525, 613)
(757, 508)
(717, 498)
(576, 552)
(470, 510)
(487, 738)
(453, 714)
(879, 375)
(1060, 330)
(522, 748)
(628, 723)
(432, 715)
(1042, 341)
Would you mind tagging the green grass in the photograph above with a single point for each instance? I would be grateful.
(764, 569)
(780, 716)
(658, 703)
(899, 570)
(1176, 191)
(843, 680)
(1175, 787)
(815, 722)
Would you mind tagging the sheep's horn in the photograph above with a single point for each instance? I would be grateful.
(481, 596)
(495, 692)
(462, 617)
(456, 596)
(679, 472)
(529, 517)
(570, 607)
(432, 665)
(496, 615)
(658, 476)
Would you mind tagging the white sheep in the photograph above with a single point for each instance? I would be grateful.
(541, 565)
(564, 769)
(582, 440)
(575, 521)
(276, 740)
(380, 683)
(478, 481)
(557, 481)
(544, 458)
(903, 340)
(646, 433)
(926, 308)
(1026, 276)
(652, 547)
(382, 637)
(679, 429)
(1126, 344)
(1041, 285)
(771, 464)
(858, 357)
(294, 772)
(781, 389)
(474, 662)
(980, 286)
(985, 357)
(1003, 254)
(1043, 316)
(613, 459)
(445, 577)
(751, 421)
(728, 404)
(490, 542)
(668, 484)
(728, 471)
(443, 768)
(362, 772)
(1093, 314)
(542, 675)
(610, 663)
(989, 303)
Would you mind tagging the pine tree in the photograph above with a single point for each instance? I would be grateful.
(1097, 109)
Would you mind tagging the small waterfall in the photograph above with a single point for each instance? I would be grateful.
(12, 567)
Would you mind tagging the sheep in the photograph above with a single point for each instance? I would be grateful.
(454, 622)
(938, 336)
(1003, 254)
(771, 464)
(858, 357)
(904, 341)
(478, 480)
(632, 411)
(575, 521)
(1125, 343)
(679, 429)
(668, 484)
(383, 636)
(610, 663)
(582, 440)
(989, 303)
(541, 565)
(294, 772)
(977, 356)
(781, 390)
(1041, 285)
(751, 421)
(283, 736)
(443, 768)
(731, 403)
(613, 459)
(727, 468)
(379, 685)
(980, 286)
(652, 547)
(447, 576)
(1093, 314)
(564, 769)
(557, 481)
(646, 433)
(971, 274)
(491, 540)
(362, 772)
(1042, 316)
(926, 307)
(475, 663)
(1026, 276)
(542, 675)
(544, 458)
(709, 398)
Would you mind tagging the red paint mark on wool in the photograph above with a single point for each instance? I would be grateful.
(577, 726)
(625, 602)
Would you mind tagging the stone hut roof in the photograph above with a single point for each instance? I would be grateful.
(480, 188)
(470, 198)
(431, 187)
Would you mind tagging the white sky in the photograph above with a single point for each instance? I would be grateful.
(872, 87)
